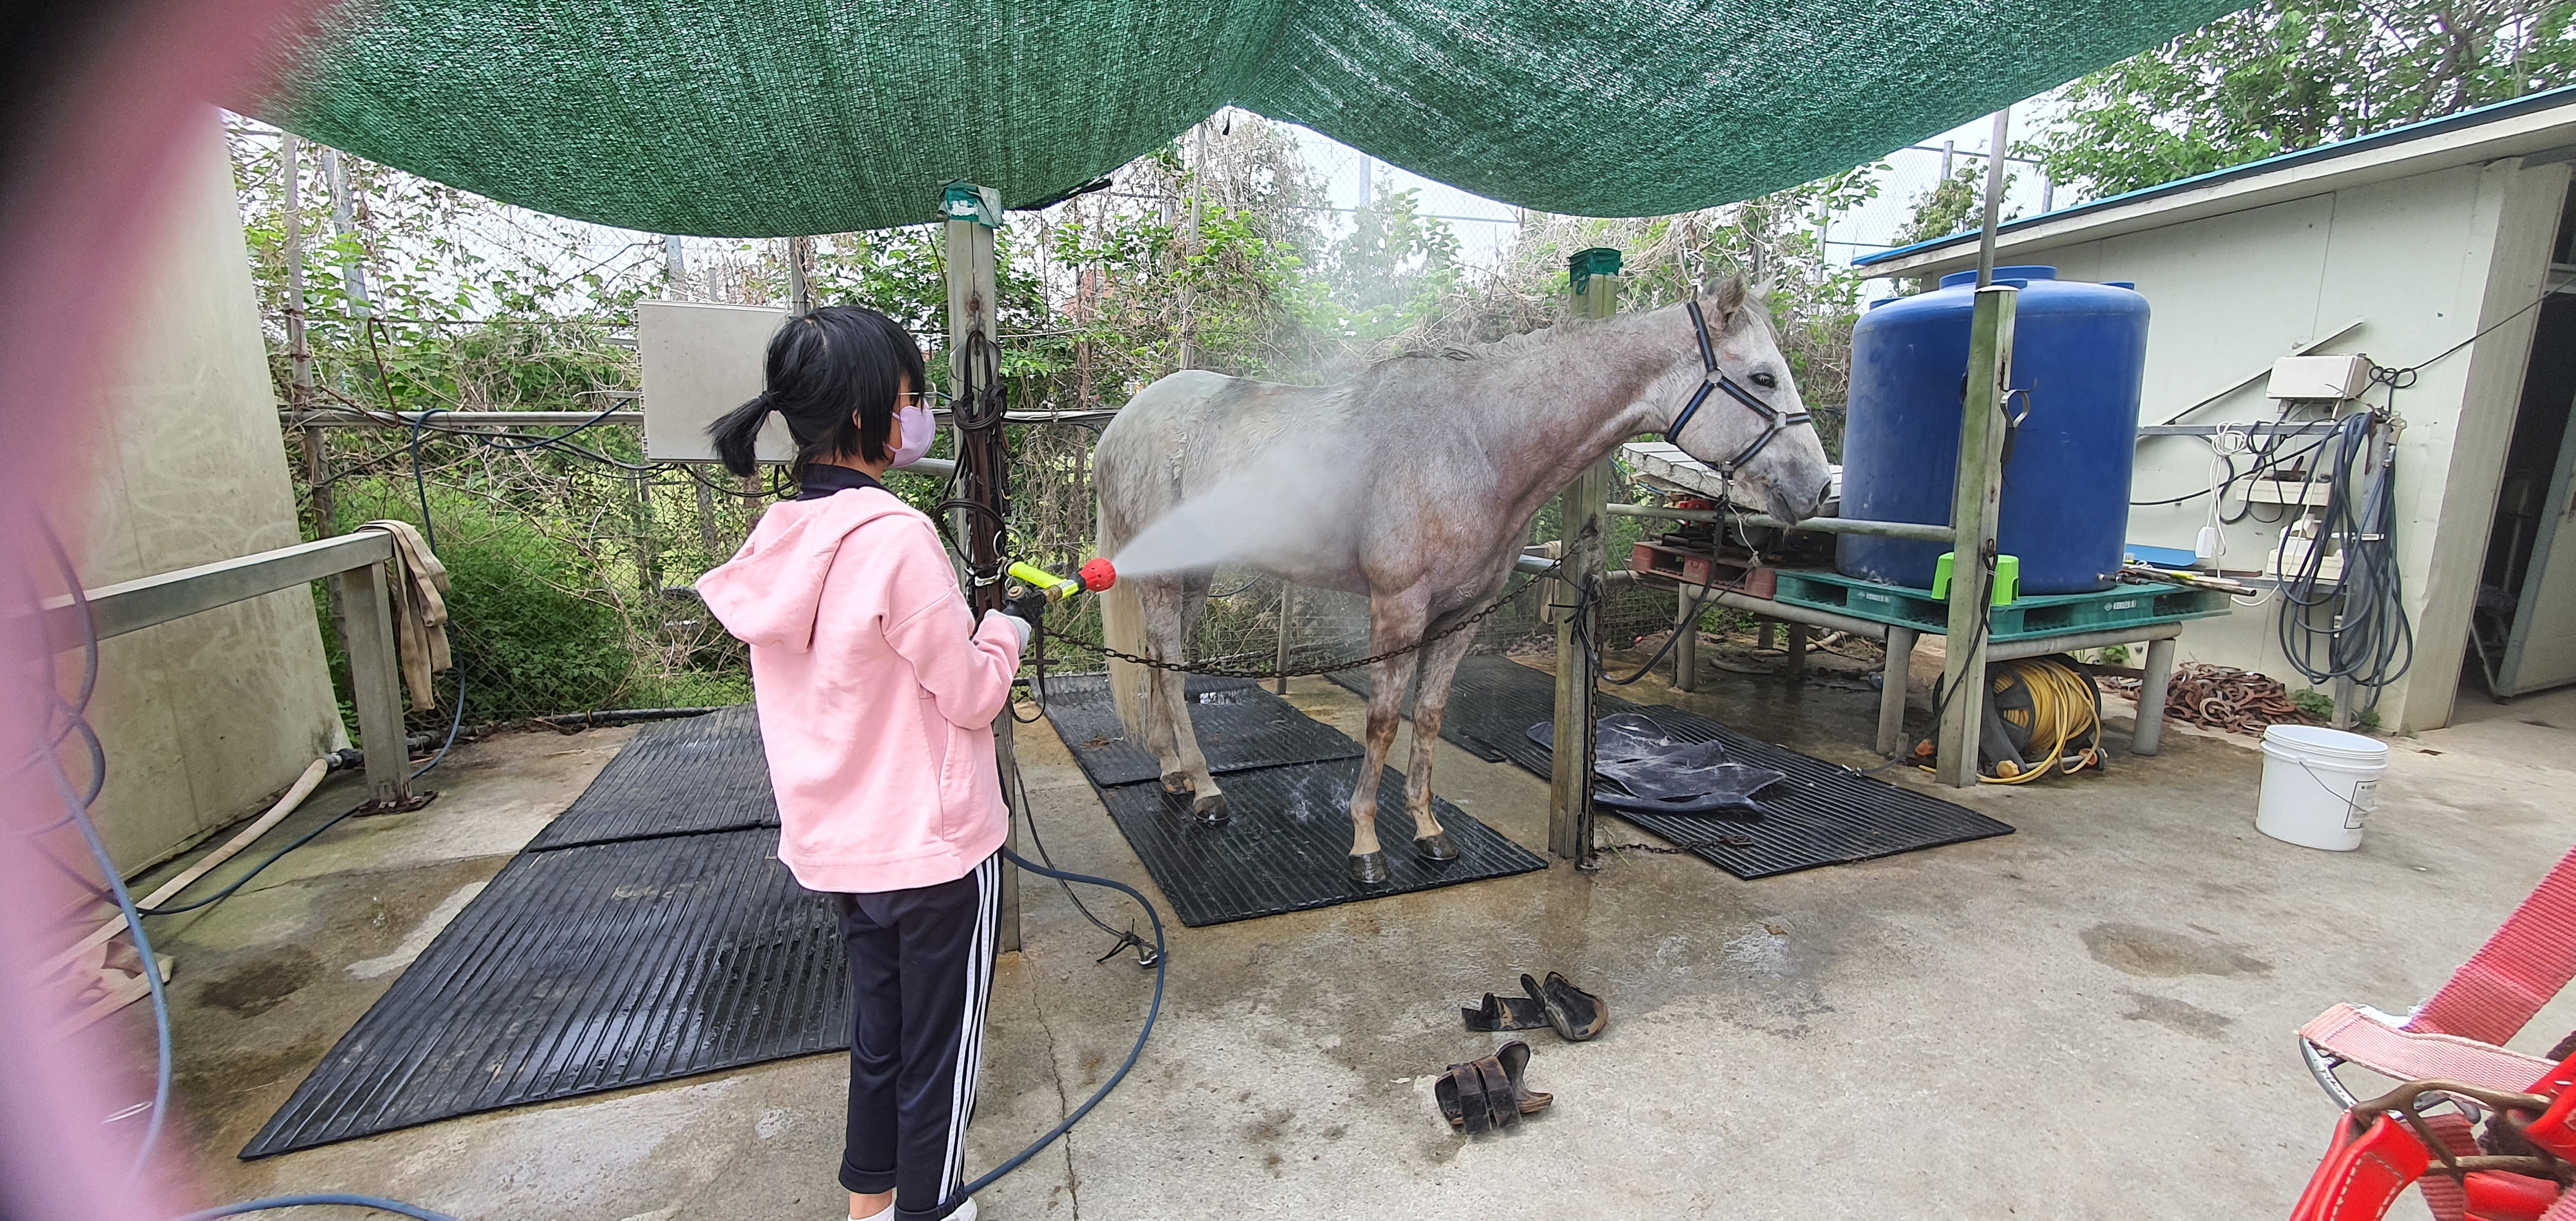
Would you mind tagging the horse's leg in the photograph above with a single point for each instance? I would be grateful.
(1394, 622)
(1172, 606)
(1430, 701)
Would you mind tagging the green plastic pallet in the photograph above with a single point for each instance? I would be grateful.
(2026, 617)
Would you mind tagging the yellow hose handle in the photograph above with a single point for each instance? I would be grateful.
(1056, 588)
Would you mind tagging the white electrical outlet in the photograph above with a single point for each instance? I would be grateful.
(2319, 378)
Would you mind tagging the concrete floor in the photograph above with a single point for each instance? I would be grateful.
(2089, 1018)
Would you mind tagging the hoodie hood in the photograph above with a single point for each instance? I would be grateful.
(767, 593)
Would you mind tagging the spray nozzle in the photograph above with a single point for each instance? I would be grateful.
(1096, 575)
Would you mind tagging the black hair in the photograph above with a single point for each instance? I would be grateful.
(834, 375)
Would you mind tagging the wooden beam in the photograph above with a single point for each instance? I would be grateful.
(971, 307)
(1973, 504)
(1584, 512)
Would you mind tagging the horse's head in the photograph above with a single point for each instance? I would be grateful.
(1749, 421)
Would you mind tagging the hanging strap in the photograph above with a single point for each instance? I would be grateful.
(2409, 1055)
(2516, 972)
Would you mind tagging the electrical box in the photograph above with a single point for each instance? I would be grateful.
(2319, 378)
(700, 361)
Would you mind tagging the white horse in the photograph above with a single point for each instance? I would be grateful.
(1413, 483)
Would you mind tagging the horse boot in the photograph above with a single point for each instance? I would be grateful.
(1369, 868)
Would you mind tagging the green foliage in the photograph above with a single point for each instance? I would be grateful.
(2289, 75)
(2313, 702)
(534, 629)
(1949, 206)
(1385, 276)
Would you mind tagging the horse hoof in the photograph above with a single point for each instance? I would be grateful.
(1436, 846)
(1177, 782)
(1369, 869)
(1211, 810)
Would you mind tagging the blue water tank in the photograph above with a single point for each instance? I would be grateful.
(2081, 349)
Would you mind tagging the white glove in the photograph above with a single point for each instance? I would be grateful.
(1017, 624)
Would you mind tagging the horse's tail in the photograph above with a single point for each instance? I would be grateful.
(1122, 627)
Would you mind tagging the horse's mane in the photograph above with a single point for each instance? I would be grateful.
(1523, 343)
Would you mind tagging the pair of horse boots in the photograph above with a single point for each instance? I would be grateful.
(1486, 1094)
(1369, 868)
(1436, 846)
(1575, 1015)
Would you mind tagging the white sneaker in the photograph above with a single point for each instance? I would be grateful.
(964, 1211)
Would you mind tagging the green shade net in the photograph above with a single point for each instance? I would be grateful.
(769, 117)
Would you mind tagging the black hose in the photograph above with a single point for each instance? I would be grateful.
(1162, 967)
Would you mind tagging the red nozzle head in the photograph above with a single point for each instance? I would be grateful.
(1097, 575)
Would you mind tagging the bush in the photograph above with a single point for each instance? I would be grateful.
(533, 628)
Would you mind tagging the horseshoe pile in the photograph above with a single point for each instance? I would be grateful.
(2223, 697)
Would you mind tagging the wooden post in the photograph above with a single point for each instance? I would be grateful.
(1973, 504)
(973, 215)
(1584, 513)
(800, 285)
(1891, 695)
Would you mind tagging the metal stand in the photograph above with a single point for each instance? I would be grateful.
(1686, 642)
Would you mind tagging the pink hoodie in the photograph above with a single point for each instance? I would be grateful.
(877, 692)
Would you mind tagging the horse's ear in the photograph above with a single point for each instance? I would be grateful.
(1728, 298)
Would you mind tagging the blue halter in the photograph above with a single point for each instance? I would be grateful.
(1771, 416)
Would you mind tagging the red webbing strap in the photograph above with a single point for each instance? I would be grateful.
(2408, 1056)
(2517, 971)
(2563, 1210)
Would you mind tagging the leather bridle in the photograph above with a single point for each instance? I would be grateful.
(1774, 421)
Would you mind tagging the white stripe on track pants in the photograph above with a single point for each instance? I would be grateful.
(921, 976)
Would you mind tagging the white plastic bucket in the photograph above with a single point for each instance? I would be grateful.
(2318, 785)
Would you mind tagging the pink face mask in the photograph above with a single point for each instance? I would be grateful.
(918, 433)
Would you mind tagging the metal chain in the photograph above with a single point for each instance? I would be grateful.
(1311, 671)
(1691, 845)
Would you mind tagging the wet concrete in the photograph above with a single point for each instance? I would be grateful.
(2088, 1018)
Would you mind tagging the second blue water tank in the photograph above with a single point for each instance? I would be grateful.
(2080, 349)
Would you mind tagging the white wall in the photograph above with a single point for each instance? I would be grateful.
(205, 717)
(2424, 263)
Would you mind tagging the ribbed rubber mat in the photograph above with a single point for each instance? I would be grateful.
(1239, 726)
(1821, 815)
(702, 773)
(1288, 845)
(586, 969)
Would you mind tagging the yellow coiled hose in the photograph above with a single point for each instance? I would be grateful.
(2064, 713)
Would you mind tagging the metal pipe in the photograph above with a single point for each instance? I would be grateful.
(1822, 525)
(1995, 144)
(2042, 646)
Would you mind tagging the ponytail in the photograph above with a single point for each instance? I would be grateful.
(737, 434)
(833, 375)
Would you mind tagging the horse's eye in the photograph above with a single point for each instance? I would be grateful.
(1766, 381)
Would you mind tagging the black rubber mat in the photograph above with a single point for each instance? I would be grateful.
(1287, 847)
(586, 969)
(1821, 815)
(1239, 726)
(701, 773)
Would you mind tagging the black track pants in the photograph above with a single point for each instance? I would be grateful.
(921, 972)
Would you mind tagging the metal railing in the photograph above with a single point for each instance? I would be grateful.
(358, 562)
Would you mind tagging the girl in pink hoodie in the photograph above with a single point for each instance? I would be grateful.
(877, 691)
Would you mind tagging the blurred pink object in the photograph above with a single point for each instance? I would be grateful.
(101, 95)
